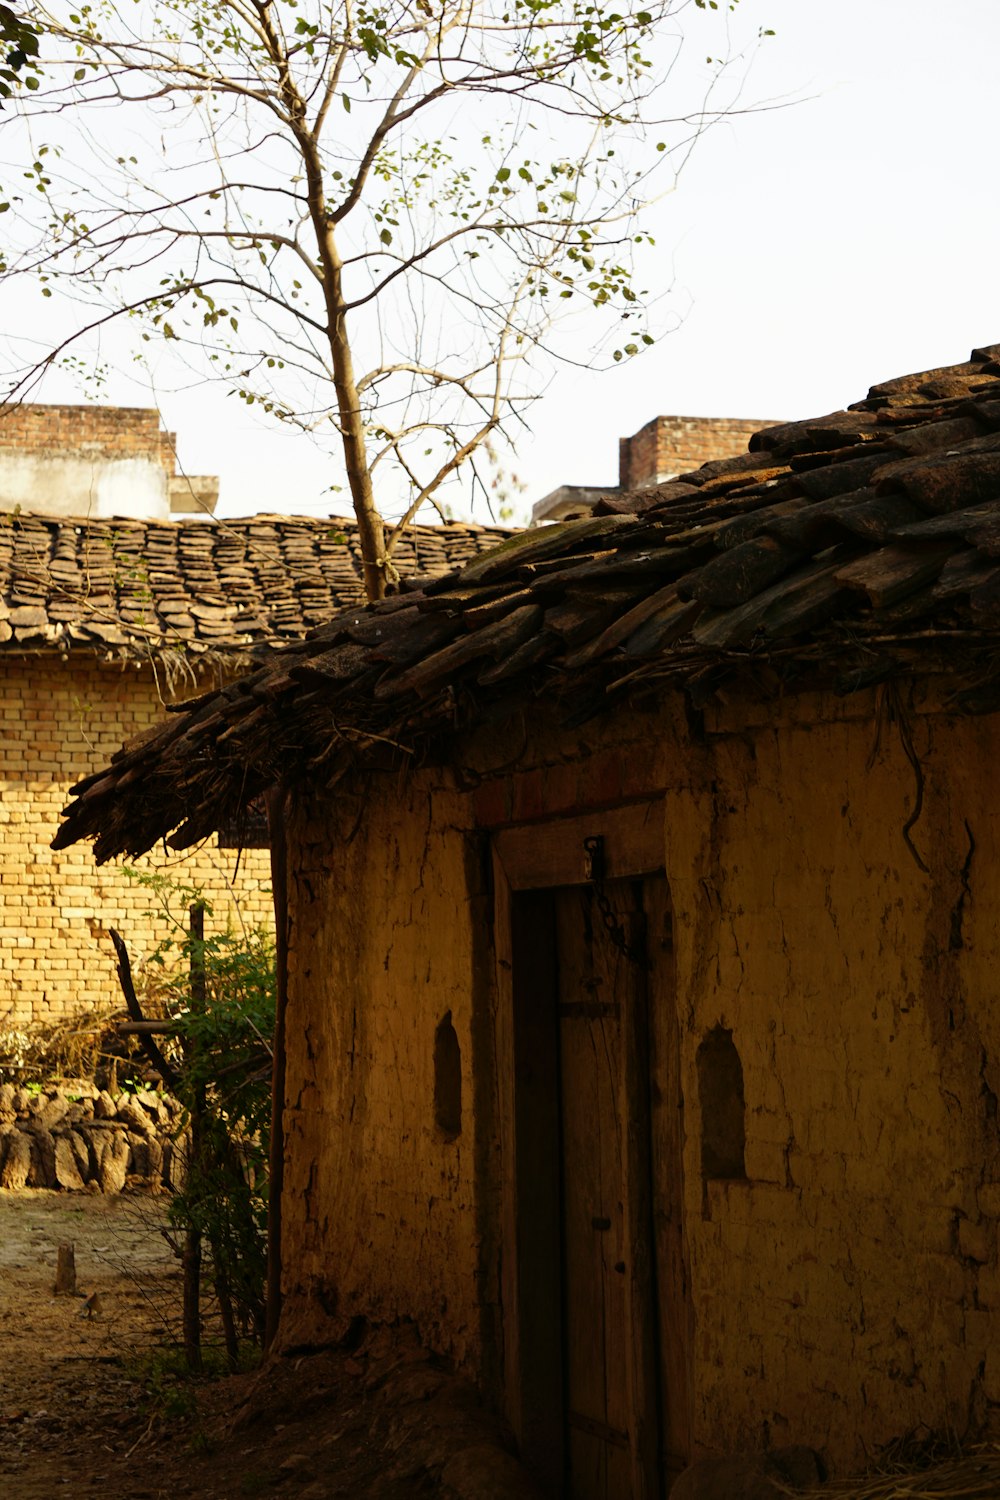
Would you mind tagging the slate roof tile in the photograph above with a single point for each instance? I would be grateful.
(837, 552)
(190, 586)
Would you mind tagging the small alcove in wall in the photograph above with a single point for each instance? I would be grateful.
(723, 1108)
(447, 1078)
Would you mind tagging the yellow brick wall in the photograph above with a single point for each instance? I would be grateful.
(59, 721)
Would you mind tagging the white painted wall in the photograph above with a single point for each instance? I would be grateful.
(75, 485)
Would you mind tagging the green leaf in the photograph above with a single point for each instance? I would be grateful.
(386, 236)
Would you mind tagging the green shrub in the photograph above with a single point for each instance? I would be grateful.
(218, 993)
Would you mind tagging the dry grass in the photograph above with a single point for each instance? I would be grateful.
(924, 1469)
(83, 1046)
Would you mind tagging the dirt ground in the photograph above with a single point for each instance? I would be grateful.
(91, 1405)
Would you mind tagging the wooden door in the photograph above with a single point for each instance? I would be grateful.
(596, 1309)
(597, 987)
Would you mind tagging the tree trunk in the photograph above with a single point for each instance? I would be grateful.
(352, 427)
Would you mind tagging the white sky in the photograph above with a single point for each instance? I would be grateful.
(811, 251)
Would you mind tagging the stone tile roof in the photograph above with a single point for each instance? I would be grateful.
(843, 551)
(133, 586)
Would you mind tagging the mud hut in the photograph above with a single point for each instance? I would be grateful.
(641, 1032)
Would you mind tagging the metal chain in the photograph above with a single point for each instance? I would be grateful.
(615, 928)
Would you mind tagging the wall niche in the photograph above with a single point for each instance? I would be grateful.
(723, 1108)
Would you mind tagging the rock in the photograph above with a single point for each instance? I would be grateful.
(85, 1162)
(65, 1169)
(43, 1158)
(800, 1466)
(114, 1163)
(49, 1109)
(487, 1472)
(134, 1118)
(298, 1466)
(154, 1158)
(749, 1476)
(138, 1155)
(21, 1101)
(17, 1162)
(85, 1127)
(175, 1155)
(7, 1098)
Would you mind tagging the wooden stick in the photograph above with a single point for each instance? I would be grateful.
(276, 810)
(152, 1051)
(191, 1259)
(146, 1028)
(65, 1284)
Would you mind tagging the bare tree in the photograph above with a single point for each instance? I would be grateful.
(362, 215)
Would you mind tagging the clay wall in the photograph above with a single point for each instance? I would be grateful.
(61, 719)
(847, 1289)
(380, 1215)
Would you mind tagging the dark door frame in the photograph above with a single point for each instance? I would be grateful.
(530, 862)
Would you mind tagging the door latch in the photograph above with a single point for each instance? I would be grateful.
(594, 860)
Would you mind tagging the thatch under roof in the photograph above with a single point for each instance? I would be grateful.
(840, 552)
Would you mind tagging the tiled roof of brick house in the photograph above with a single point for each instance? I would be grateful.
(860, 547)
(135, 586)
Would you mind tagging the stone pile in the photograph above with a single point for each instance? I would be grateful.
(84, 1139)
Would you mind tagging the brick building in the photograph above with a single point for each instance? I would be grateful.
(95, 461)
(657, 453)
(103, 623)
